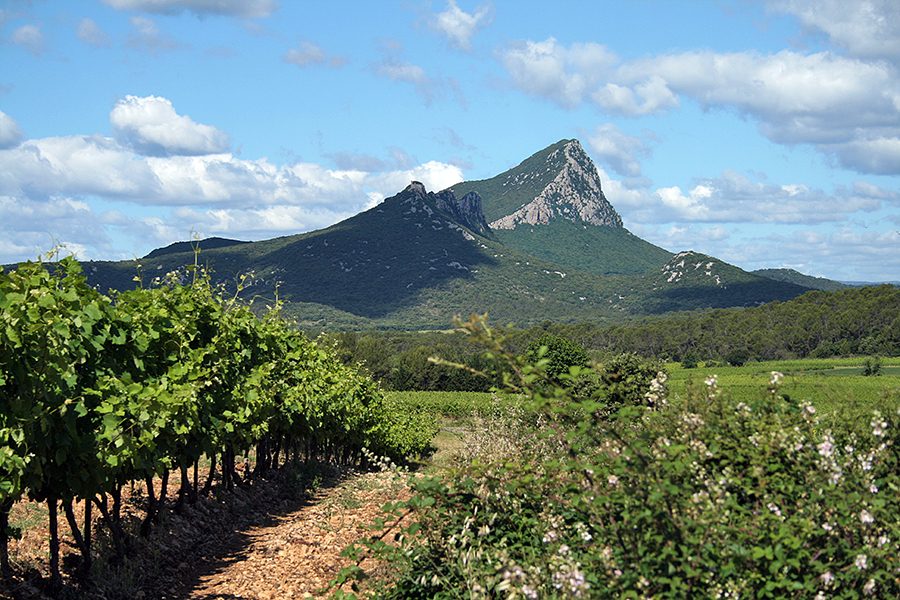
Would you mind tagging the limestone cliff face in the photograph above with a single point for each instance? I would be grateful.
(574, 192)
(466, 211)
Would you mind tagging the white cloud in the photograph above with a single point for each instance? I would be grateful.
(846, 107)
(866, 28)
(308, 53)
(30, 38)
(148, 37)
(396, 69)
(733, 199)
(618, 150)
(44, 184)
(548, 70)
(91, 33)
(152, 127)
(459, 26)
(11, 135)
(236, 8)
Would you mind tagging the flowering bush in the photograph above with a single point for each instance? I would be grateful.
(703, 498)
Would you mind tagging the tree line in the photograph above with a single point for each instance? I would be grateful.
(857, 321)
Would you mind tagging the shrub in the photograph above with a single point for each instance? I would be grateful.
(559, 353)
(707, 498)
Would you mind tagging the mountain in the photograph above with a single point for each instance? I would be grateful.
(691, 276)
(420, 257)
(208, 244)
(552, 206)
(807, 281)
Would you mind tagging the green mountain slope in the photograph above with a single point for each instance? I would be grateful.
(420, 258)
(600, 250)
(691, 280)
(807, 281)
(552, 206)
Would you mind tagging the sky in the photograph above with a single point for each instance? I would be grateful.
(765, 133)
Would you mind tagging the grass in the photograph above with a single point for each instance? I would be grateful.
(832, 385)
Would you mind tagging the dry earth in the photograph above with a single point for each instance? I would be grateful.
(269, 541)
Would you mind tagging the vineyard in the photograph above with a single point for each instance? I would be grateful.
(100, 392)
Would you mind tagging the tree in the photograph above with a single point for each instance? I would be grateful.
(560, 353)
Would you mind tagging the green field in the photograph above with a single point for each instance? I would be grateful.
(831, 385)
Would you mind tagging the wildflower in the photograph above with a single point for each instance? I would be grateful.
(873, 488)
(564, 549)
(776, 377)
(826, 448)
(550, 536)
(712, 380)
(869, 587)
(774, 508)
(827, 577)
(866, 517)
(529, 592)
(613, 480)
(882, 540)
(861, 562)
(820, 596)
(827, 527)
(878, 426)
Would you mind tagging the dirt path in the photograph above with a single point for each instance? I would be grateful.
(269, 541)
(299, 553)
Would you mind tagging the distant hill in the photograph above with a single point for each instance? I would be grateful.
(208, 244)
(807, 281)
(421, 257)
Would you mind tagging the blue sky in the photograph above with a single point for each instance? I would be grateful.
(765, 133)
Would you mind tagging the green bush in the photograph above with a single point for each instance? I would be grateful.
(706, 498)
(560, 354)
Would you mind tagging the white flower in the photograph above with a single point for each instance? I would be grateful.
(613, 480)
(869, 587)
(882, 540)
(827, 577)
(712, 380)
(873, 488)
(861, 562)
(866, 517)
(776, 377)
(826, 448)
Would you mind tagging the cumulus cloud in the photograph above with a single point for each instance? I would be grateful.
(866, 29)
(458, 26)
(152, 127)
(618, 150)
(43, 184)
(91, 33)
(563, 75)
(30, 38)
(236, 8)
(847, 107)
(308, 53)
(11, 135)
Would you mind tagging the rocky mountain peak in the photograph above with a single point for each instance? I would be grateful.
(466, 211)
(573, 192)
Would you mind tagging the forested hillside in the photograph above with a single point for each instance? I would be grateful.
(864, 321)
